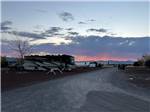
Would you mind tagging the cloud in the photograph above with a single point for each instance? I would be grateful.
(41, 10)
(96, 46)
(81, 22)
(88, 46)
(38, 26)
(53, 30)
(36, 34)
(66, 16)
(52, 41)
(91, 20)
(87, 21)
(57, 34)
(107, 47)
(101, 30)
(6, 25)
(69, 29)
(73, 33)
(28, 34)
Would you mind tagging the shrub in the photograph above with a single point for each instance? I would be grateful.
(147, 63)
(138, 63)
(4, 62)
(122, 66)
(100, 65)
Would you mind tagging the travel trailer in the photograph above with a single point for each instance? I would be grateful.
(65, 62)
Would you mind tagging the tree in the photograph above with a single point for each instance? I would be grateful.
(21, 47)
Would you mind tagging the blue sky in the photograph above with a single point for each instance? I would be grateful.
(121, 18)
(46, 23)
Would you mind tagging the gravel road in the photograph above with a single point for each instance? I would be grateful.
(104, 90)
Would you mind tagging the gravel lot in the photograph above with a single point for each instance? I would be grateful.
(104, 90)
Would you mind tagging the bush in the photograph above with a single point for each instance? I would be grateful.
(122, 66)
(4, 62)
(147, 63)
(100, 65)
(138, 63)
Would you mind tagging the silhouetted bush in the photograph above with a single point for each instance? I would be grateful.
(122, 66)
(147, 63)
(138, 63)
(4, 62)
(100, 65)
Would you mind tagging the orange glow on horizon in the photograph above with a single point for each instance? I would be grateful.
(102, 57)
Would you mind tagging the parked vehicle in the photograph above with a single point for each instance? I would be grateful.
(63, 62)
(69, 67)
(93, 64)
(27, 66)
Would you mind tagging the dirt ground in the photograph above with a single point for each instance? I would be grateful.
(15, 79)
(139, 77)
(103, 90)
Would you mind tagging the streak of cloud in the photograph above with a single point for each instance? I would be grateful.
(92, 20)
(73, 33)
(69, 29)
(66, 16)
(81, 22)
(101, 30)
(6, 25)
(27, 34)
(41, 10)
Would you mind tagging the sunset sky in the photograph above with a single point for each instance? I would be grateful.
(86, 30)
